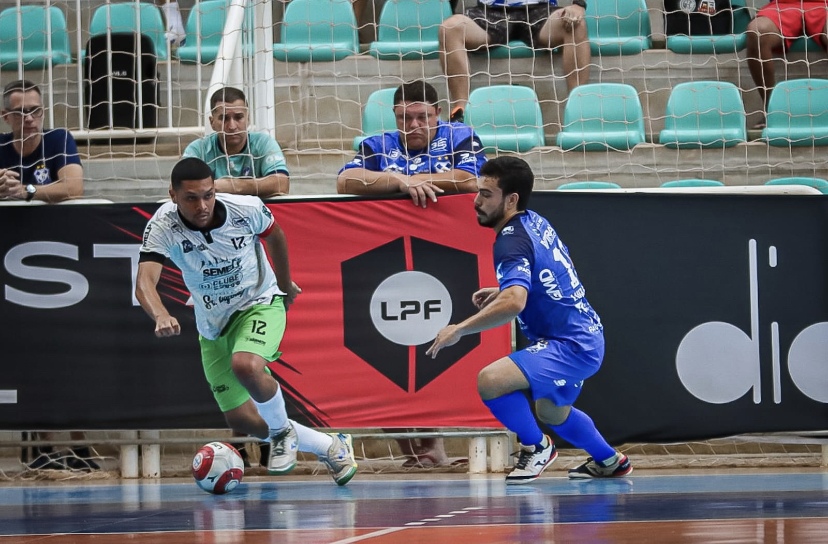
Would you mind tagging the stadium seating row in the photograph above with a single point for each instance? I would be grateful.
(600, 116)
(315, 30)
(817, 183)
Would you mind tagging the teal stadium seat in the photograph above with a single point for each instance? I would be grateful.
(804, 45)
(687, 183)
(211, 15)
(378, 115)
(32, 41)
(600, 116)
(587, 185)
(318, 31)
(408, 29)
(716, 44)
(798, 113)
(506, 117)
(704, 114)
(124, 18)
(618, 27)
(816, 183)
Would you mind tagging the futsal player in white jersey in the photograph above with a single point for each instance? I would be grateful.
(240, 302)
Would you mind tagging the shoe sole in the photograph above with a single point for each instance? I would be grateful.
(582, 476)
(280, 472)
(519, 481)
(347, 478)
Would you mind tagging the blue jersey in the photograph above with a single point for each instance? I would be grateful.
(455, 147)
(57, 148)
(528, 253)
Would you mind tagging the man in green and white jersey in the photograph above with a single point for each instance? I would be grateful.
(243, 162)
(240, 302)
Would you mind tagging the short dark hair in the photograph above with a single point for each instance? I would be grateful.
(188, 169)
(18, 86)
(226, 94)
(513, 175)
(416, 91)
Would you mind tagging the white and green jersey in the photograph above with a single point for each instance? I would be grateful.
(261, 157)
(226, 269)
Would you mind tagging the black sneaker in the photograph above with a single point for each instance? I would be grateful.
(82, 464)
(531, 462)
(458, 115)
(593, 469)
(48, 461)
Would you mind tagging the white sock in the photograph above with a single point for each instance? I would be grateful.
(312, 441)
(273, 411)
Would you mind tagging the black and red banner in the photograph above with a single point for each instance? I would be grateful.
(715, 310)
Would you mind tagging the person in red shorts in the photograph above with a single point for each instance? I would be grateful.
(777, 26)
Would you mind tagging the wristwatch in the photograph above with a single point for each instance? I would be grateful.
(30, 192)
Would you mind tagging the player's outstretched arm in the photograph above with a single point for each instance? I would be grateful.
(146, 292)
(484, 297)
(277, 247)
(503, 309)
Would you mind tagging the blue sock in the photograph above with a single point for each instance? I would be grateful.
(514, 412)
(580, 431)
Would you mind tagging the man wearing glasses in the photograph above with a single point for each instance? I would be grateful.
(35, 165)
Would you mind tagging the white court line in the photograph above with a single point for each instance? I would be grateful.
(369, 535)
(8, 396)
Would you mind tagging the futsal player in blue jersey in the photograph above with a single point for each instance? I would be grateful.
(422, 158)
(538, 285)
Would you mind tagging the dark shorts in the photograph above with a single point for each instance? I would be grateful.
(504, 24)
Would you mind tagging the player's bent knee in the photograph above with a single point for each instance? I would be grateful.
(246, 367)
(550, 413)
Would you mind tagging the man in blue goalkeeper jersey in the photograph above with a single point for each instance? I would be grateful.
(423, 158)
(538, 285)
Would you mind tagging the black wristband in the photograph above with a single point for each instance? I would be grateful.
(581, 3)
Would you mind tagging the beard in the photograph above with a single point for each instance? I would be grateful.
(491, 219)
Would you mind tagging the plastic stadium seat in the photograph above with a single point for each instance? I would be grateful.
(123, 18)
(378, 115)
(618, 27)
(506, 117)
(816, 183)
(317, 30)
(600, 116)
(211, 15)
(798, 113)
(716, 44)
(407, 29)
(704, 114)
(692, 183)
(33, 41)
(804, 45)
(588, 185)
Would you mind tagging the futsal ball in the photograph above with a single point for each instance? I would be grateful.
(218, 468)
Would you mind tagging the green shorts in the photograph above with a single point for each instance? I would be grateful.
(259, 330)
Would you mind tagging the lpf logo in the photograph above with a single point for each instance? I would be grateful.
(718, 363)
(396, 298)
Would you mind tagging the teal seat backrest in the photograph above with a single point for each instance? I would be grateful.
(587, 185)
(704, 114)
(598, 116)
(33, 38)
(798, 113)
(411, 20)
(506, 117)
(320, 30)
(618, 27)
(211, 16)
(816, 183)
(124, 17)
(378, 115)
(692, 183)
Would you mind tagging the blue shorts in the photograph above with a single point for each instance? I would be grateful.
(555, 370)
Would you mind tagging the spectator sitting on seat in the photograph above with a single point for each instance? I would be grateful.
(776, 26)
(243, 163)
(35, 164)
(539, 24)
(424, 157)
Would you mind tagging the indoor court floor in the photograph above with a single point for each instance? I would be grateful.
(701, 506)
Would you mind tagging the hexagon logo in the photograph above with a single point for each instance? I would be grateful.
(397, 296)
